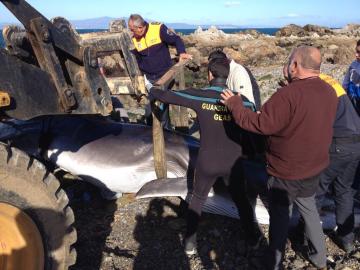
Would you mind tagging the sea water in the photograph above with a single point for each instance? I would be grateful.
(268, 31)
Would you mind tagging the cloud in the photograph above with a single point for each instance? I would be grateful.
(293, 15)
(232, 3)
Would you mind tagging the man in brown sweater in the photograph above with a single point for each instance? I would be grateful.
(298, 121)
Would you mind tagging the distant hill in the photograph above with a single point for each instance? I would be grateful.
(193, 26)
(95, 23)
(103, 23)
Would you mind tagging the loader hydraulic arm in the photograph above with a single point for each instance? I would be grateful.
(65, 77)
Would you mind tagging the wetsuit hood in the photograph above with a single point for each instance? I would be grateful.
(220, 82)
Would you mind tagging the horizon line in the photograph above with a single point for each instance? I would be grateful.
(219, 26)
(227, 25)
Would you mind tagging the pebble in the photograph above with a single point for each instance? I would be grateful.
(213, 255)
(298, 264)
(356, 255)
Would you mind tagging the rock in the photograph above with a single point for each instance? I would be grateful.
(352, 27)
(262, 52)
(289, 30)
(311, 30)
(349, 30)
(214, 37)
(252, 33)
(210, 37)
(237, 55)
(333, 47)
(213, 30)
(344, 55)
(314, 35)
(284, 42)
(320, 30)
(254, 49)
(197, 58)
(198, 30)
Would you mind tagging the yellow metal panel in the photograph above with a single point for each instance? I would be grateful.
(4, 99)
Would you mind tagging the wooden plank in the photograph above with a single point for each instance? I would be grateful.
(158, 145)
(158, 132)
(183, 112)
(170, 75)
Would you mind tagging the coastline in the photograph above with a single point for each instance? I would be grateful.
(264, 30)
(264, 54)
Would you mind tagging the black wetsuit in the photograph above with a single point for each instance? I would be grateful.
(223, 146)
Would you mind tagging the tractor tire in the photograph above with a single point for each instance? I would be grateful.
(32, 203)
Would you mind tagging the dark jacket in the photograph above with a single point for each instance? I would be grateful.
(152, 52)
(298, 120)
(347, 121)
(355, 66)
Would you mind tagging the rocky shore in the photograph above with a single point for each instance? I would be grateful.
(265, 55)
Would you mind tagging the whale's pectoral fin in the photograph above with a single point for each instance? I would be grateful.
(165, 187)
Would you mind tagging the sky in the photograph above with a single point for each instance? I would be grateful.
(260, 13)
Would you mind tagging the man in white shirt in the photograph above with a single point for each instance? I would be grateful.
(240, 79)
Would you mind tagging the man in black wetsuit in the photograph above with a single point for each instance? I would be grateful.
(223, 147)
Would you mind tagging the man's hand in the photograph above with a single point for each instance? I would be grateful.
(225, 95)
(184, 56)
(148, 84)
(283, 83)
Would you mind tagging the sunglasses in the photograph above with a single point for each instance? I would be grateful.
(357, 51)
